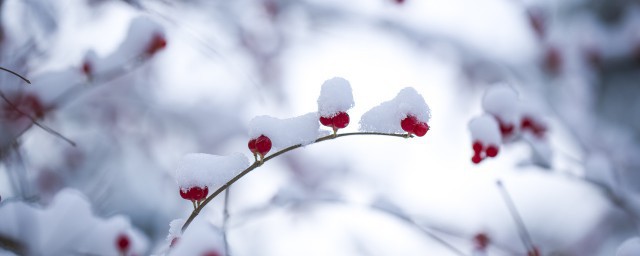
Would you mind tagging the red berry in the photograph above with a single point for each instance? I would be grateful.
(492, 151)
(399, 1)
(157, 43)
(252, 146)
(123, 243)
(476, 159)
(477, 146)
(526, 123)
(341, 120)
(420, 129)
(506, 129)
(326, 121)
(481, 241)
(185, 194)
(87, 68)
(553, 60)
(211, 253)
(198, 193)
(174, 241)
(408, 123)
(263, 145)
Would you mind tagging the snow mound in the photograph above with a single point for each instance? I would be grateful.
(283, 133)
(387, 116)
(200, 170)
(335, 96)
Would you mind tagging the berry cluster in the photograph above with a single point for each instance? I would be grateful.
(481, 152)
(529, 124)
(338, 121)
(481, 241)
(194, 194)
(411, 125)
(260, 147)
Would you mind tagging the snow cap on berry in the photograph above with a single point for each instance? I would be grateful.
(200, 238)
(335, 96)
(485, 129)
(387, 116)
(200, 170)
(501, 101)
(283, 133)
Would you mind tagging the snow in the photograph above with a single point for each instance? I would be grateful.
(283, 133)
(200, 238)
(387, 116)
(502, 101)
(335, 96)
(67, 226)
(485, 129)
(139, 36)
(630, 247)
(599, 169)
(48, 86)
(175, 229)
(213, 171)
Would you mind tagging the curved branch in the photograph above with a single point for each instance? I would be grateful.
(285, 150)
(16, 74)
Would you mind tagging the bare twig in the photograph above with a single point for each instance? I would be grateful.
(35, 121)
(522, 229)
(12, 245)
(16, 74)
(225, 221)
(257, 164)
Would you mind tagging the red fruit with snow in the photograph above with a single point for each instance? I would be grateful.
(28, 103)
(174, 241)
(252, 146)
(263, 145)
(87, 68)
(536, 128)
(481, 241)
(408, 123)
(341, 120)
(123, 243)
(194, 193)
(411, 125)
(553, 60)
(326, 121)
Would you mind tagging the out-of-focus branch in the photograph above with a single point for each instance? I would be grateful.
(35, 121)
(12, 246)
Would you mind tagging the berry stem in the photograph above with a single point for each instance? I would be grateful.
(213, 195)
(194, 205)
(522, 229)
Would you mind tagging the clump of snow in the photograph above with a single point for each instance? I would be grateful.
(283, 133)
(630, 247)
(200, 170)
(485, 129)
(598, 169)
(335, 97)
(139, 37)
(66, 226)
(50, 85)
(387, 116)
(501, 101)
(200, 238)
(175, 229)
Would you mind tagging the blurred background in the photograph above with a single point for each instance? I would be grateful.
(576, 62)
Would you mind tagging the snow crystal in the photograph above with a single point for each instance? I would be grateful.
(387, 116)
(631, 247)
(502, 102)
(199, 169)
(485, 129)
(283, 133)
(200, 238)
(335, 96)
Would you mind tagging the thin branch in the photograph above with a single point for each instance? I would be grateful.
(225, 221)
(35, 121)
(12, 245)
(16, 74)
(522, 229)
(257, 164)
